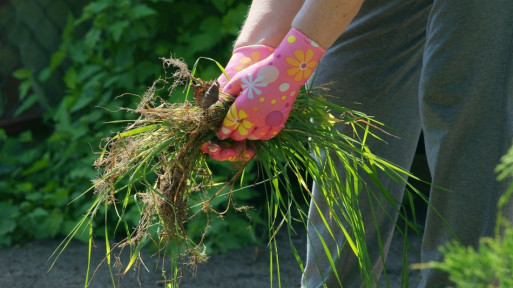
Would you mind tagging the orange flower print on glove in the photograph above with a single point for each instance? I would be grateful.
(302, 66)
(266, 90)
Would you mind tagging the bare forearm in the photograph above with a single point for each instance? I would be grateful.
(268, 21)
(322, 20)
(325, 20)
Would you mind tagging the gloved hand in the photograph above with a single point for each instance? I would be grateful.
(228, 151)
(242, 58)
(266, 90)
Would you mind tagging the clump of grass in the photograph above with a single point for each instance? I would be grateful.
(156, 164)
(163, 141)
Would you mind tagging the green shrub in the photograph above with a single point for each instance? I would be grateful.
(492, 264)
(112, 48)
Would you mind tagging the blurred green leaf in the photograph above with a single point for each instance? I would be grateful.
(53, 222)
(34, 197)
(141, 10)
(25, 136)
(117, 29)
(71, 78)
(8, 211)
(80, 103)
(24, 186)
(37, 165)
(96, 7)
(7, 226)
(22, 73)
(92, 38)
(26, 104)
(24, 88)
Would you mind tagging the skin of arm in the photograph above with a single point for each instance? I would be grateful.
(268, 21)
(323, 21)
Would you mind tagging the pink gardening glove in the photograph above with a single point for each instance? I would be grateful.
(266, 90)
(228, 151)
(242, 58)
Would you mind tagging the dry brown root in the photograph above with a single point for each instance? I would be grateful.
(178, 164)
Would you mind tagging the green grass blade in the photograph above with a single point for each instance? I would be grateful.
(108, 248)
(89, 253)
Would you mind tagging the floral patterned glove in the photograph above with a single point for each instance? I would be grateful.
(242, 58)
(266, 90)
(228, 151)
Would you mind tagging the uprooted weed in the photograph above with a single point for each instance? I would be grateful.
(157, 161)
(164, 141)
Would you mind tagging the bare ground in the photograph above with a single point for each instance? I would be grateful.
(26, 266)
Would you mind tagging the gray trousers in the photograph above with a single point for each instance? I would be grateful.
(443, 67)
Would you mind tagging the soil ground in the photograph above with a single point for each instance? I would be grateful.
(26, 267)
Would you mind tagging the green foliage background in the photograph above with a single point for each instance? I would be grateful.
(110, 48)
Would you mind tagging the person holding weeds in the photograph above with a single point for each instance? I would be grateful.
(441, 67)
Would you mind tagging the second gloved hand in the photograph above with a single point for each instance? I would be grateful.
(266, 90)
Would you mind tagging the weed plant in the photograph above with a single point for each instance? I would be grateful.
(156, 165)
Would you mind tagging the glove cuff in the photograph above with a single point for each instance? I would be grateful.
(266, 50)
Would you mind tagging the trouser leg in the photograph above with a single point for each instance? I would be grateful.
(466, 104)
(375, 68)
